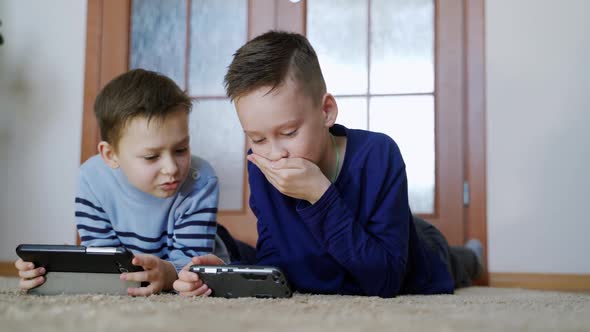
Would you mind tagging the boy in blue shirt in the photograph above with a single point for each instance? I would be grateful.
(144, 191)
(331, 202)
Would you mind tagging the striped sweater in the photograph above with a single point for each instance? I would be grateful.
(111, 212)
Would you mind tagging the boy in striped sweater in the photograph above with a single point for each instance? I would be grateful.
(144, 191)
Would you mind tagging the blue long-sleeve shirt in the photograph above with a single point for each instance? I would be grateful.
(359, 238)
(111, 212)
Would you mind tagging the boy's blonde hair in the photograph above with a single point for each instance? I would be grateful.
(269, 59)
(136, 93)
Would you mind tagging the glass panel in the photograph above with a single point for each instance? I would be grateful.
(402, 46)
(352, 112)
(409, 120)
(218, 29)
(158, 37)
(216, 135)
(337, 29)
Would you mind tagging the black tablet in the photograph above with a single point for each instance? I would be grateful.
(68, 258)
(231, 281)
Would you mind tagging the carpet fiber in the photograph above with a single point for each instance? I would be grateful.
(471, 309)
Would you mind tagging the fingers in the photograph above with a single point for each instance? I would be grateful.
(277, 172)
(209, 259)
(204, 290)
(282, 163)
(286, 163)
(188, 276)
(31, 277)
(30, 274)
(182, 286)
(265, 165)
(141, 291)
(194, 260)
(187, 266)
(22, 265)
(148, 262)
(136, 276)
(189, 283)
(262, 163)
(26, 284)
(253, 157)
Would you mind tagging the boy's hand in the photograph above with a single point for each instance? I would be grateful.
(30, 277)
(188, 283)
(159, 273)
(294, 177)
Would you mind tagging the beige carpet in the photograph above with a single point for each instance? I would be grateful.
(472, 309)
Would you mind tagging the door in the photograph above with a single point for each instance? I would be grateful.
(395, 66)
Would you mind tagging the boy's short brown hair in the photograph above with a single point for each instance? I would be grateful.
(136, 93)
(269, 59)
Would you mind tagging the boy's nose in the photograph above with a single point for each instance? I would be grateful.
(277, 152)
(169, 167)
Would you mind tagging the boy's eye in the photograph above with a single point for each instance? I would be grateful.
(152, 157)
(182, 150)
(291, 133)
(258, 141)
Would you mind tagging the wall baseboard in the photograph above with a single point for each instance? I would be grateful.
(7, 269)
(543, 281)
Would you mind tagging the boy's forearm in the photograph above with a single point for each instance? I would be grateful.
(332, 224)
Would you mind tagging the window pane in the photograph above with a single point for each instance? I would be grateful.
(409, 120)
(352, 112)
(216, 135)
(158, 37)
(402, 46)
(337, 29)
(218, 29)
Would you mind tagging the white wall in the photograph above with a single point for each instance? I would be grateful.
(538, 114)
(41, 91)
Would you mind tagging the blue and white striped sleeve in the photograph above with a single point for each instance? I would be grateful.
(93, 224)
(196, 224)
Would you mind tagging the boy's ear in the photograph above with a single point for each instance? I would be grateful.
(329, 110)
(108, 155)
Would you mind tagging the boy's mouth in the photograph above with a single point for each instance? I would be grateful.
(169, 186)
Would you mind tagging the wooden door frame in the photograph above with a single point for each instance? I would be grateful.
(475, 131)
(107, 47)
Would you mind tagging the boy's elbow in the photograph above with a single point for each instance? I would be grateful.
(391, 281)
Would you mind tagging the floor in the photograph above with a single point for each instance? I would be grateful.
(471, 309)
